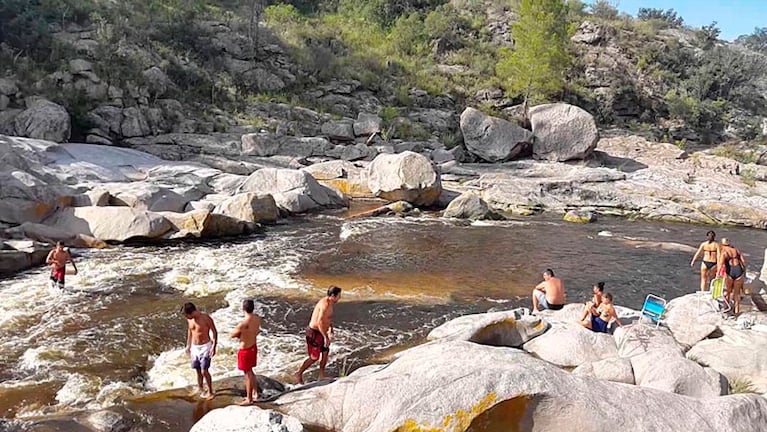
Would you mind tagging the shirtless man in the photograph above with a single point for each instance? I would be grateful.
(58, 259)
(598, 319)
(319, 334)
(734, 264)
(199, 345)
(710, 251)
(549, 294)
(247, 357)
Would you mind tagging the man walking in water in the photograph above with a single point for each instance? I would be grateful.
(319, 334)
(710, 251)
(549, 294)
(58, 259)
(247, 357)
(199, 345)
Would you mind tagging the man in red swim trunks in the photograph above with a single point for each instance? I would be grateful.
(319, 334)
(247, 357)
(58, 259)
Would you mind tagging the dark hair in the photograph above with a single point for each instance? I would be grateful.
(248, 306)
(59, 243)
(600, 286)
(188, 308)
(711, 233)
(334, 291)
(609, 296)
(549, 272)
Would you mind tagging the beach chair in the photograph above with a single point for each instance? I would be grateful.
(653, 309)
(715, 296)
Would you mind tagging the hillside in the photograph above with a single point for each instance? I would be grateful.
(129, 71)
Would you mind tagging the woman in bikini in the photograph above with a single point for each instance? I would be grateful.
(710, 251)
(598, 319)
(735, 270)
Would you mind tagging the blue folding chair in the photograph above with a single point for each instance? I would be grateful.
(653, 308)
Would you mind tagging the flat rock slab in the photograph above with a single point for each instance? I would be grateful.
(569, 344)
(615, 369)
(246, 419)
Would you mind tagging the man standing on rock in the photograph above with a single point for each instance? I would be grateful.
(549, 294)
(199, 345)
(247, 357)
(319, 334)
(58, 259)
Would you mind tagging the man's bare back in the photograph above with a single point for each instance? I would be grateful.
(247, 331)
(555, 290)
(322, 318)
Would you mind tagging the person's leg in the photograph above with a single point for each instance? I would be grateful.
(323, 363)
(534, 295)
(199, 379)
(300, 374)
(736, 292)
(704, 275)
(728, 282)
(248, 388)
(209, 382)
(254, 385)
(586, 311)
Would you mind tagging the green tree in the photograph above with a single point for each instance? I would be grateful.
(535, 68)
(756, 41)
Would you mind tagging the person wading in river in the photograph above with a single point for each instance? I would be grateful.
(247, 357)
(735, 272)
(319, 334)
(549, 294)
(200, 346)
(710, 251)
(58, 259)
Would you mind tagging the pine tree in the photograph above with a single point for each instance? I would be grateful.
(535, 68)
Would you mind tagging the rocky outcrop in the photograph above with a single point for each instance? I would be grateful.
(691, 319)
(614, 369)
(568, 344)
(44, 120)
(51, 235)
(501, 386)
(294, 191)
(339, 130)
(467, 206)
(250, 207)
(367, 124)
(580, 216)
(405, 176)
(492, 139)
(111, 224)
(145, 196)
(18, 255)
(508, 328)
(562, 132)
(251, 419)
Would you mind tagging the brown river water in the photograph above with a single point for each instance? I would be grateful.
(116, 332)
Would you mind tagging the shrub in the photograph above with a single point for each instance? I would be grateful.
(282, 14)
(668, 16)
(742, 385)
(604, 9)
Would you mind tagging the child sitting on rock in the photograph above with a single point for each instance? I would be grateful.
(598, 318)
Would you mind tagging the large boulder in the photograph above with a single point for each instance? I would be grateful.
(569, 344)
(405, 176)
(367, 124)
(49, 234)
(492, 139)
(738, 354)
(659, 363)
(339, 130)
(250, 207)
(146, 196)
(613, 369)
(268, 144)
(507, 328)
(343, 176)
(111, 224)
(43, 119)
(294, 191)
(187, 225)
(96, 197)
(246, 419)
(691, 319)
(467, 206)
(563, 132)
(16, 256)
(463, 386)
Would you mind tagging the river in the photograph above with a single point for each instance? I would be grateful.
(116, 331)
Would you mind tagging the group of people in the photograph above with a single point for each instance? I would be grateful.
(597, 313)
(722, 260)
(202, 341)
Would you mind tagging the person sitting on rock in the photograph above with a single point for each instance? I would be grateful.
(598, 290)
(549, 294)
(598, 318)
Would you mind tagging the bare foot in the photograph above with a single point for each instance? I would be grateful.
(299, 378)
(245, 403)
(210, 396)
